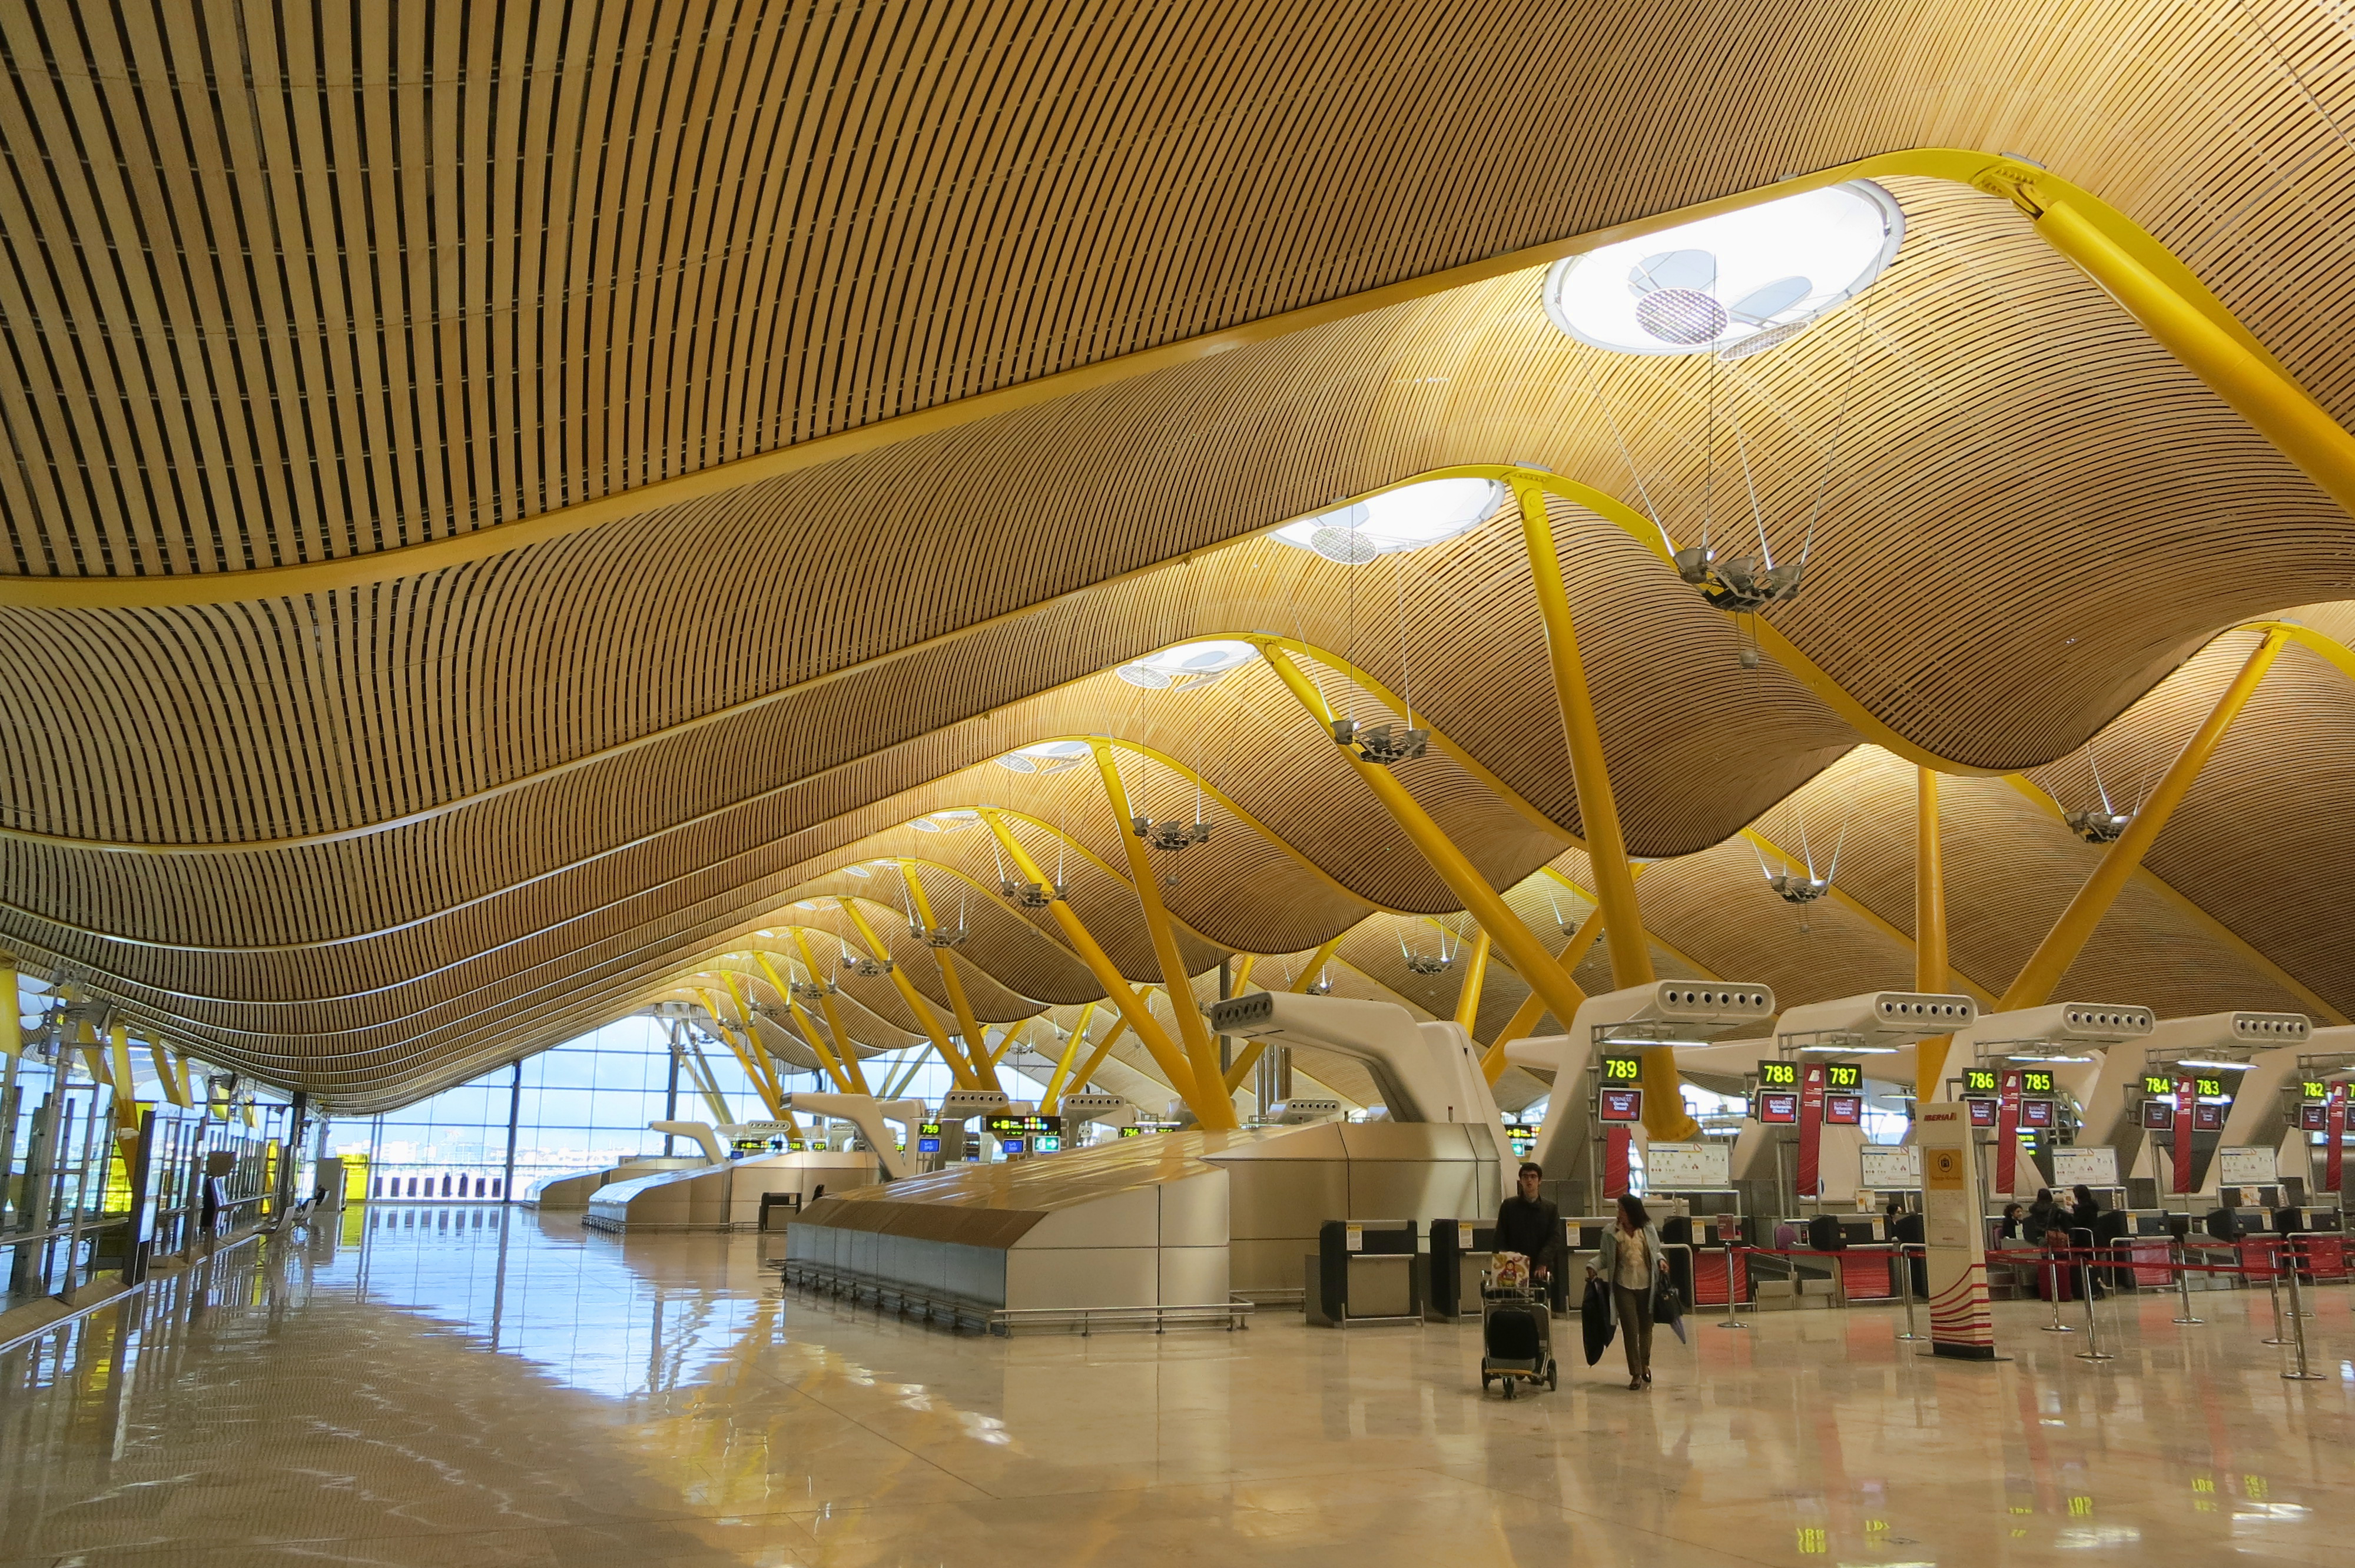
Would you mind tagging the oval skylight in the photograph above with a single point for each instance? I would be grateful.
(1407, 518)
(1188, 666)
(949, 821)
(1737, 283)
(1046, 757)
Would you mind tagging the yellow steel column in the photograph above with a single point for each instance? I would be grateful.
(1071, 1046)
(1533, 1007)
(1598, 809)
(2261, 392)
(1615, 883)
(1476, 976)
(748, 1060)
(1930, 972)
(969, 1028)
(1201, 1050)
(959, 1068)
(175, 1087)
(1664, 1112)
(1149, 1032)
(817, 1043)
(1251, 1053)
(845, 1047)
(11, 1029)
(2075, 927)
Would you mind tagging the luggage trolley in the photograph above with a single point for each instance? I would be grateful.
(1516, 1335)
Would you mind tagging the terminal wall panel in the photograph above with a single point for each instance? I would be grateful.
(1289, 1198)
(976, 1274)
(1401, 1190)
(1271, 1264)
(1193, 1212)
(1080, 1276)
(1194, 1276)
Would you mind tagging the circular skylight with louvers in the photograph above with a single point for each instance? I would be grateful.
(1046, 757)
(1407, 518)
(1188, 666)
(949, 821)
(1735, 284)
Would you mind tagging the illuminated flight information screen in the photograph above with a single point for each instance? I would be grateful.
(1778, 1074)
(1622, 1069)
(1979, 1081)
(1843, 1076)
(2037, 1080)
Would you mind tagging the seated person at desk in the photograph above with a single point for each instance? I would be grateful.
(1530, 1225)
(2045, 1214)
(2015, 1216)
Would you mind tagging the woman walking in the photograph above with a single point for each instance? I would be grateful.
(1636, 1264)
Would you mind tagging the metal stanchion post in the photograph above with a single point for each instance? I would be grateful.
(2052, 1284)
(2093, 1351)
(2183, 1283)
(2298, 1324)
(1905, 1288)
(2273, 1288)
(1730, 1321)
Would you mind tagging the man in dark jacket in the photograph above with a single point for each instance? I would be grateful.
(1530, 1225)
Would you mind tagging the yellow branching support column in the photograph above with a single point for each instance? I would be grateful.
(1476, 978)
(970, 1033)
(1088, 1069)
(2075, 927)
(1059, 1079)
(1533, 1007)
(747, 1059)
(844, 1047)
(1201, 1050)
(2223, 356)
(175, 1082)
(926, 1019)
(1930, 972)
(1598, 810)
(12, 1028)
(818, 1045)
(1536, 966)
(1133, 1009)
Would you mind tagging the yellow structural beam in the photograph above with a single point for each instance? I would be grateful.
(1533, 1006)
(845, 1047)
(175, 1083)
(2061, 945)
(1156, 1040)
(1664, 1114)
(1930, 967)
(2233, 365)
(1476, 978)
(1598, 809)
(818, 1044)
(959, 1068)
(761, 1086)
(1096, 1060)
(970, 1037)
(1072, 1044)
(1201, 1050)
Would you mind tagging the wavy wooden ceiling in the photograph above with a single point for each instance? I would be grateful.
(415, 280)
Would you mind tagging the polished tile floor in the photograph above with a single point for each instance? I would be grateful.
(461, 1386)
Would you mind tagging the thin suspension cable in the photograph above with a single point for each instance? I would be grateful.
(1757, 513)
(1626, 456)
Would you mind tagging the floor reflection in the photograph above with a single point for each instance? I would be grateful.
(463, 1384)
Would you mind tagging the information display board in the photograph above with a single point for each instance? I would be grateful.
(2036, 1081)
(1889, 1169)
(1523, 1139)
(2314, 1119)
(1982, 1112)
(2313, 1091)
(1620, 1068)
(2159, 1115)
(2239, 1166)
(1843, 1110)
(1022, 1126)
(2207, 1118)
(1843, 1076)
(2090, 1164)
(1689, 1167)
(1979, 1081)
(927, 1138)
(1620, 1105)
(1778, 1074)
(2036, 1114)
(2158, 1085)
(1778, 1108)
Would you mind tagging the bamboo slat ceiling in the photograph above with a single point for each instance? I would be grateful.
(287, 283)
